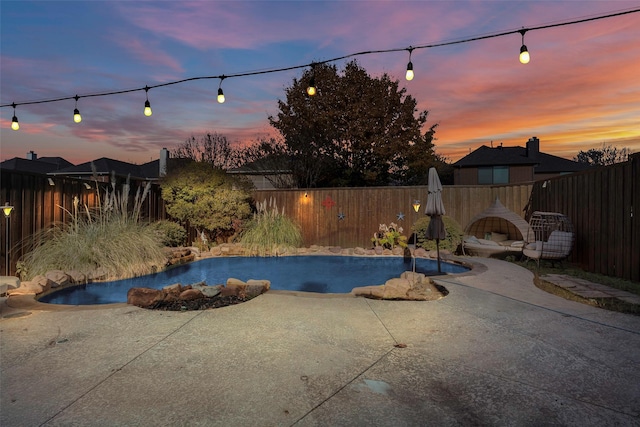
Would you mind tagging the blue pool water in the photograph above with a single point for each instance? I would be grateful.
(315, 273)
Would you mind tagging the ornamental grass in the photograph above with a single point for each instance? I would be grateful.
(270, 232)
(110, 237)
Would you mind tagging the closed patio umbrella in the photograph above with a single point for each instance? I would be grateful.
(435, 209)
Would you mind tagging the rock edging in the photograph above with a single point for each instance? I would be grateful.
(198, 295)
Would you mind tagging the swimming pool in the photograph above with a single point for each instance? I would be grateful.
(308, 273)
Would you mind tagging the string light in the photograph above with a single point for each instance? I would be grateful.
(311, 89)
(76, 113)
(409, 75)
(220, 92)
(524, 53)
(147, 105)
(14, 121)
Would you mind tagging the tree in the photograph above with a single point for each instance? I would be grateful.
(208, 199)
(607, 155)
(210, 148)
(356, 131)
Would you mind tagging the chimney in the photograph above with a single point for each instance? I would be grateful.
(32, 156)
(164, 158)
(533, 148)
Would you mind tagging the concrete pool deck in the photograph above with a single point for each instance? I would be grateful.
(495, 351)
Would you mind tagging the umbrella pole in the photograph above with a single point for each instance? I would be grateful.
(438, 254)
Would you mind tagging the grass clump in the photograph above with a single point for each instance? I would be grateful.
(109, 237)
(270, 231)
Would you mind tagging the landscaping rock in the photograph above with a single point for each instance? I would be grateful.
(57, 278)
(256, 287)
(174, 289)
(190, 294)
(410, 286)
(43, 282)
(208, 291)
(99, 273)
(420, 253)
(77, 276)
(397, 251)
(144, 297)
(27, 288)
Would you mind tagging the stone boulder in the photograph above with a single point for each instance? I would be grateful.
(251, 289)
(409, 286)
(144, 297)
(190, 294)
(58, 278)
(77, 276)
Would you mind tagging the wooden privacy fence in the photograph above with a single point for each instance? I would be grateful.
(40, 201)
(348, 217)
(604, 206)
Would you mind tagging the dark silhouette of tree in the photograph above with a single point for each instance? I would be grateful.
(356, 131)
(607, 155)
(211, 148)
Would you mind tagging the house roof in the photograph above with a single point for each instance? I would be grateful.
(517, 156)
(42, 165)
(105, 166)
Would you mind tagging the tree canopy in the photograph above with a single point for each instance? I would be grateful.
(199, 195)
(356, 131)
(607, 155)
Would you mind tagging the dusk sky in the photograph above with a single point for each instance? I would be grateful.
(581, 88)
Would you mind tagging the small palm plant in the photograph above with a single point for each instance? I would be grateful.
(270, 231)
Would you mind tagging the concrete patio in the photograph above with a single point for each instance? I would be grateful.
(495, 351)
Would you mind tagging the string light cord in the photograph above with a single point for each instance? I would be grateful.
(327, 61)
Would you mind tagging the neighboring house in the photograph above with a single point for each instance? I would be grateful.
(33, 164)
(101, 169)
(510, 165)
(104, 167)
(265, 174)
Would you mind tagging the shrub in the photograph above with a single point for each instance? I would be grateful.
(451, 242)
(109, 237)
(170, 233)
(210, 200)
(269, 231)
(389, 236)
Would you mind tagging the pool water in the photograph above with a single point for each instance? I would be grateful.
(310, 273)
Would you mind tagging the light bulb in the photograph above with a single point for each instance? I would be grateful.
(524, 55)
(311, 89)
(14, 123)
(409, 75)
(147, 108)
(76, 116)
(220, 95)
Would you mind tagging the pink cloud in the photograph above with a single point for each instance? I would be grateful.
(150, 54)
